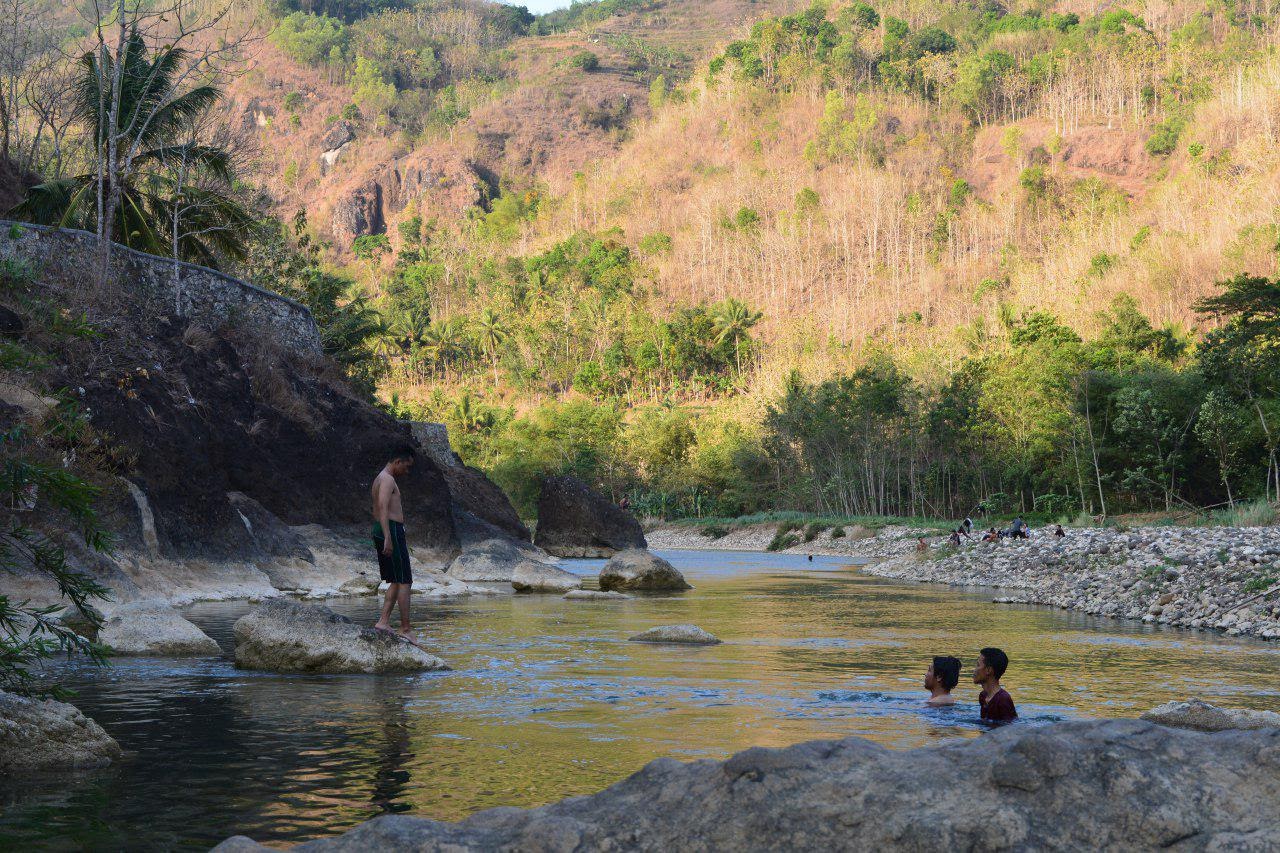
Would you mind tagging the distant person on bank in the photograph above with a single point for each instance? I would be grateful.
(994, 701)
(389, 541)
(940, 679)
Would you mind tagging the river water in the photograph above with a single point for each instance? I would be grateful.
(548, 700)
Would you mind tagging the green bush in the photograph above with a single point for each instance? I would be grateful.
(812, 530)
(714, 531)
(586, 60)
(1164, 139)
(838, 533)
(782, 541)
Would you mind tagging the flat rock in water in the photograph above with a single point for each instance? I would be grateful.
(286, 636)
(154, 628)
(1201, 716)
(1080, 785)
(46, 735)
(641, 570)
(541, 577)
(594, 595)
(686, 634)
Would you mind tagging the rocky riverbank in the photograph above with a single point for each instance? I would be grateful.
(1116, 784)
(1221, 578)
(1192, 577)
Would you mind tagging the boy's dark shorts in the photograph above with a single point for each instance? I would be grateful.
(393, 567)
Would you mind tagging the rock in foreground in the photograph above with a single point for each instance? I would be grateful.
(1087, 785)
(690, 635)
(641, 570)
(155, 628)
(1202, 716)
(576, 521)
(47, 735)
(285, 636)
(540, 577)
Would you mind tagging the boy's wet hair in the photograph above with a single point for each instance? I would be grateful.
(996, 659)
(402, 451)
(947, 671)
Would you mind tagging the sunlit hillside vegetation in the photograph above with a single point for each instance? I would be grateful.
(728, 257)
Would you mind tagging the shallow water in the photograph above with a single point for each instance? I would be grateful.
(547, 700)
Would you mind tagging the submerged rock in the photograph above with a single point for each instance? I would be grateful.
(594, 595)
(1084, 785)
(1201, 716)
(286, 636)
(44, 735)
(154, 628)
(540, 577)
(575, 521)
(641, 570)
(687, 634)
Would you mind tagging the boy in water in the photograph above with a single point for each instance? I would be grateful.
(388, 539)
(940, 679)
(995, 702)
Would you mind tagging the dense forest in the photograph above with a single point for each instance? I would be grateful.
(862, 259)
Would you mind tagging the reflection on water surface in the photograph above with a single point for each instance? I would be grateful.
(548, 700)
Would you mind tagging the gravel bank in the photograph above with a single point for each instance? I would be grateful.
(1191, 577)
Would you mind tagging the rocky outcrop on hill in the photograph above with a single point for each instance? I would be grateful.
(46, 735)
(1194, 577)
(436, 181)
(154, 628)
(335, 140)
(575, 521)
(641, 571)
(1088, 785)
(286, 636)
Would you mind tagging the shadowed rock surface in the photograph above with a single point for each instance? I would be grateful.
(45, 735)
(154, 628)
(1201, 716)
(1086, 785)
(285, 636)
(576, 521)
(641, 570)
(690, 635)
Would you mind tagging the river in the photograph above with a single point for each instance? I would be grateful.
(548, 700)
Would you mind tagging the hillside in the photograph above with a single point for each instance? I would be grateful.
(502, 107)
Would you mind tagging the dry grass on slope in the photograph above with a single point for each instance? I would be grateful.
(869, 260)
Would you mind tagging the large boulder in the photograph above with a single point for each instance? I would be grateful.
(575, 521)
(641, 570)
(688, 635)
(45, 735)
(154, 628)
(286, 636)
(1201, 716)
(541, 577)
(1083, 785)
(493, 561)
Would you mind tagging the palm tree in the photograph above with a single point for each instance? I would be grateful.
(162, 180)
(733, 321)
(493, 334)
(442, 341)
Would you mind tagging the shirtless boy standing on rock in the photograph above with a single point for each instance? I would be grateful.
(388, 539)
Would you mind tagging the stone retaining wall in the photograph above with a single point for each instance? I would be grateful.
(69, 256)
